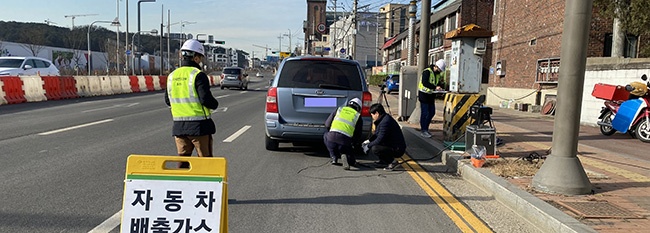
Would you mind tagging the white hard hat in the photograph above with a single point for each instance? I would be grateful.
(356, 101)
(441, 65)
(194, 46)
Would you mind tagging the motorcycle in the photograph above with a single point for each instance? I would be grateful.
(627, 109)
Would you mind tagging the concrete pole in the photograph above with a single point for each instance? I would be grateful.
(169, 35)
(423, 59)
(411, 39)
(562, 171)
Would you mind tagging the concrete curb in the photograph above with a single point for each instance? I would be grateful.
(541, 214)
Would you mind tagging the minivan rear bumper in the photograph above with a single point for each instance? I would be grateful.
(301, 133)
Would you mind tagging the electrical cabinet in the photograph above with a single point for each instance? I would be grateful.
(466, 66)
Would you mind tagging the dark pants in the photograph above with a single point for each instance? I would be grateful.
(426, 115)
(336, 149)
(385, 154)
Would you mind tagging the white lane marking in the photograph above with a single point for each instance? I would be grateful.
(108, 225)
(75, 127)
(222, 109)
(222, 96)
(242, 92)
(99, 109)
(111, 107)
(236, 134)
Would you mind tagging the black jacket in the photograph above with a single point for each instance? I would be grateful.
(388, 133)
(429, 98)
(202, 127)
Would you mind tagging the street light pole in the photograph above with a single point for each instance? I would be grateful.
(127, 38)
(117, 47)
(140, 1)
(153, 31)
(88, 38)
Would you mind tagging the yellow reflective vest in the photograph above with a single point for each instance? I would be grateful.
(433, 79)
(345, 121)
(183, 97)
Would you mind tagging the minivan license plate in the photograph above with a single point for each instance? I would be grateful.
(320, 102)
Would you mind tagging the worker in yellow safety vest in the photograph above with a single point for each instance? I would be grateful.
(188, 94)
(433, 79)
(344, 127)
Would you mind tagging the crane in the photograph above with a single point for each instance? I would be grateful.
(75, 16)
(48, 22)
(266, 49)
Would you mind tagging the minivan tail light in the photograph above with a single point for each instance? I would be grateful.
(367, 101)
(272, 100)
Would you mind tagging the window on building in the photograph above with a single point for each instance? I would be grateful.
(631, 42)
(437, 33)
(451, 25)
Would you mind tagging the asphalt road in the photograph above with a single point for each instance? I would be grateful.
(63, 166)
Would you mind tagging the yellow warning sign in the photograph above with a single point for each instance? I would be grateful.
(159, 197)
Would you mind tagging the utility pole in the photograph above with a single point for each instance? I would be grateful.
(162, 20)
(169, 61)
(411, 49)
(333, 32)
(562, 171)
(353, 53)
(424, 52)
(280, 46)
(117, 49)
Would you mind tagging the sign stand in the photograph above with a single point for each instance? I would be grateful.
(160, 197)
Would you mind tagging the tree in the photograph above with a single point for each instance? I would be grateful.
(633, 14)
(34, 41)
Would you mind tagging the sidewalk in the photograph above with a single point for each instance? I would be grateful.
(621, 184)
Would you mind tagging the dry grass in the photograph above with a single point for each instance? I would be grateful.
(512, 167)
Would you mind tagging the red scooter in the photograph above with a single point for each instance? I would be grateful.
(627, 109)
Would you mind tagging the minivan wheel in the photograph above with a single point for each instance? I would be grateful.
(271, 144)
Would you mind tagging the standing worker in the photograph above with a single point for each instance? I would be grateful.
(344, 127)
(433, 79)
(387, 143)
(188, 94)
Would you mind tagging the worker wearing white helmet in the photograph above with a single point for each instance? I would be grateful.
(433, 79)
(188, 94)
(344, 127)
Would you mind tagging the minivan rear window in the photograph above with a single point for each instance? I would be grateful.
(320, 74)
(231, 71)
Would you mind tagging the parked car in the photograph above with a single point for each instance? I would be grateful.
(234, 77)
(304, 91)
(391, 83)
(27, 66)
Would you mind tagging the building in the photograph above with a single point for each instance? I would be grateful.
(445, 16)
(314, 27)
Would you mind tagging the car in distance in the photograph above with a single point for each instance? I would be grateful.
(234, 77)
(304, 92)
(391, 83)
(15, 66)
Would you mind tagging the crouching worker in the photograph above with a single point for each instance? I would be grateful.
(387, 143)
(343, 128)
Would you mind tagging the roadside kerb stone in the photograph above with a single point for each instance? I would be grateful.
(546, 217)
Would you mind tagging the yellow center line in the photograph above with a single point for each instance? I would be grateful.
(457, 212)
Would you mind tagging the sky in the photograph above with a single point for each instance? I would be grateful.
(240, 23)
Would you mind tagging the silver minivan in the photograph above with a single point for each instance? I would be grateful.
(305, 91)
(234, 77)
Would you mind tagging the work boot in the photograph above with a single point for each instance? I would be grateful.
(346, 165)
